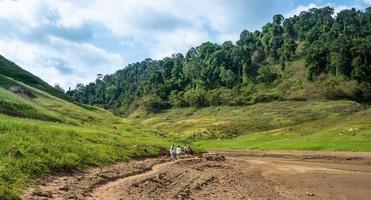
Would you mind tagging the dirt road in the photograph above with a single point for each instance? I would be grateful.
(242, 175)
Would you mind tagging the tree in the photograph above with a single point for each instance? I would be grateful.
(361, 59)
(266, 75)
(153, 103)
(287, 51)
(58, 87)
(228, 77)
(316, 59)
(338, 45)
(195, 97)
(277, 19)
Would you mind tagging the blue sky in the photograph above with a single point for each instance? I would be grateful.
(70, 41)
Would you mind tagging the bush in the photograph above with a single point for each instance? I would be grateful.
(214, 97)
(366, 92)
(177, 99)
(266, 75)
(229, 97)
(153, 103)
(338, 87)
(195, 97)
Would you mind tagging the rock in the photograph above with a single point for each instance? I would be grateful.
(19, 90)
(213, 157)
(309, 193)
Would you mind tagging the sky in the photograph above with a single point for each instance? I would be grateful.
(70, 41)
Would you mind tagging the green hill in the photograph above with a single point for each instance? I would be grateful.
(11, 70)
(41, 134)
(300, 83)
(316, 54)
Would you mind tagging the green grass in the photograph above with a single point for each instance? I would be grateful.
(11, 70)
(47, 134)
(350, 133)
(229, 122)
(289, 125)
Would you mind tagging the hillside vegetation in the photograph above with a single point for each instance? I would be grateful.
(229, 122)
(314, 55)
(11, 70)
(297, 125)
(44, 134)
(300, 83)
(347, 133)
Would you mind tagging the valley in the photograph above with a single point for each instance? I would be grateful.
(279, 112)
(238, 175)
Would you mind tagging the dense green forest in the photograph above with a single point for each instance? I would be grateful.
(262, 66)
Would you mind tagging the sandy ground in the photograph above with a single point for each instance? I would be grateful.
(219, 175)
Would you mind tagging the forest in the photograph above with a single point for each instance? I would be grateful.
(259, 67)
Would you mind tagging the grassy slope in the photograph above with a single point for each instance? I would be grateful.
(310, 125)
(11, 70)
(51, 134)
(350, 133)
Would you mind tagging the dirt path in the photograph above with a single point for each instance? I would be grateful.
(242, 175)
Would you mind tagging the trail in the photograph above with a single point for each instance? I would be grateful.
(242, 175)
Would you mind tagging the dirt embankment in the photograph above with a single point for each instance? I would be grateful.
(242, 175)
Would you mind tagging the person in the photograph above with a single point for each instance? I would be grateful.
(172, 152)
(178, 151)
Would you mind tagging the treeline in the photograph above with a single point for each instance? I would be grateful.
(238, 74)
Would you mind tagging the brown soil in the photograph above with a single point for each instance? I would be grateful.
(242, 175)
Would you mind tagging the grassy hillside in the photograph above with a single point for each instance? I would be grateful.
(47, 134)
(349, 133)
(11, 70)
(310, 125)
(229, 122)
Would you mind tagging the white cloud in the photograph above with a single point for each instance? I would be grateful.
(179, 41)
(367, 2)
(68, 42)
(50, 63)
(337, 8)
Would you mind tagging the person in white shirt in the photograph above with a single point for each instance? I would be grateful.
(178, 151)
(172, 152)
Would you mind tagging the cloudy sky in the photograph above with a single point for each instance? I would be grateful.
(70, 41)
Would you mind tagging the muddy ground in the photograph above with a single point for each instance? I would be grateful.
(242, 175)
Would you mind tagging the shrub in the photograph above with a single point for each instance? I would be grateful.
(177, 99)
(338, 87)
(195, 97)
(153, 103)
(366, 92)
(266, 75)
(214, 97)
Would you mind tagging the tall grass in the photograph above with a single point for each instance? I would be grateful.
(32, 148)
(47, 134)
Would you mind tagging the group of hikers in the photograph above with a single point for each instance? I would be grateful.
(176, 152)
